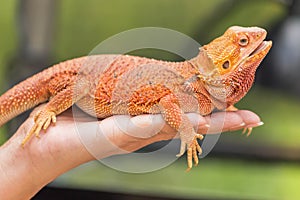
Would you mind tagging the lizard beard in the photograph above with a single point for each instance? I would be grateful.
(229, 89)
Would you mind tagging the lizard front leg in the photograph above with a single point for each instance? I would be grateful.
(175, 117)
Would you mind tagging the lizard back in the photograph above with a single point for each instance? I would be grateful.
(131, 85)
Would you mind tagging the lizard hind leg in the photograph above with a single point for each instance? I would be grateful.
(60, 102)
(42, 120)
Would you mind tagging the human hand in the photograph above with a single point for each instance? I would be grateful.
(26, 170)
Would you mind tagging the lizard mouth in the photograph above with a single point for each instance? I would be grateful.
(262, 49)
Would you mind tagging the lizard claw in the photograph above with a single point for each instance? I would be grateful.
(250, 127)
(193, 150)
(42, 120)
(248, 130)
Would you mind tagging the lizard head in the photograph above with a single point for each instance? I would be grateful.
(235, 57)
(235, 46)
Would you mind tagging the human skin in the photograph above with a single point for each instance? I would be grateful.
(25, 170)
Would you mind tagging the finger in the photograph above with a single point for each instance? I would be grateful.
(216, 122)
(249, 117)
(198, 121)
(141, 126)
(145, 126)
(224, 121)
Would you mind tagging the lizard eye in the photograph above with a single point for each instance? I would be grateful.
(225, 65)
(243, 41)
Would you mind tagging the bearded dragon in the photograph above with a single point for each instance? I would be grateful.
(104, 85)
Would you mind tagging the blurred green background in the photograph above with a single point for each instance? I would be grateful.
(262, 166)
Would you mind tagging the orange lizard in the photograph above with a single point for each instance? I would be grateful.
(104, 85)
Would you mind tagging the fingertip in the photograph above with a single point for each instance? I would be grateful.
(145, 126)
(250, 117)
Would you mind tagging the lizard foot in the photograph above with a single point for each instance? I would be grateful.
(231, 108)
(42, 120)
(193, 150)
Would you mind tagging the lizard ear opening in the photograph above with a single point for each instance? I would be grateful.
(226, 64)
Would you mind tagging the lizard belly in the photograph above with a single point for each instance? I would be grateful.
(89, 105)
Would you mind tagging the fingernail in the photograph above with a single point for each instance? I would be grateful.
(260, 123)
(255, 125)
(234, 128)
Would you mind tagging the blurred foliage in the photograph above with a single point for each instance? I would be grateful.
(217, 178)
(280, 113)
(84, 24)
(94, 22)
(8, 39)
(8, 43)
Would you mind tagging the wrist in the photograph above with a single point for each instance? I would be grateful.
(18, 176)
(25, 170)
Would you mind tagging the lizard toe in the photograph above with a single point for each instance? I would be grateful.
(42, 120)
(193, 151)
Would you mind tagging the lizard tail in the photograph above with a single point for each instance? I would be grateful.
(22, 97)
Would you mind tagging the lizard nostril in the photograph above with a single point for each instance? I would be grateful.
(226, 65)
